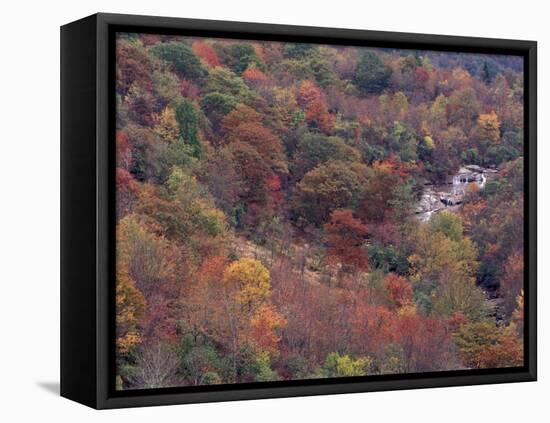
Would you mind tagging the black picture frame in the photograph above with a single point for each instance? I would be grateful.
(87, 210)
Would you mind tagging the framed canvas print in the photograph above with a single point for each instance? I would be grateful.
(255, 211)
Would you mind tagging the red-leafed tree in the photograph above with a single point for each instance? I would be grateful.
(123, 150)
(265, 142)
(189, 90)
(274, 186)
(134, 65)
(421, 76)
(127, 189)
(371, 327)
(344, 237)
(512, 283)
(239, 115)
(380, 196)
(424, 341)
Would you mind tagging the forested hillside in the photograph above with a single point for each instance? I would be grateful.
(266, 200)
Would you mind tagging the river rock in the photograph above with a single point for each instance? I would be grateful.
(450, 196)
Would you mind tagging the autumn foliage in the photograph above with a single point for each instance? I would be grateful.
(266, 211)
(206, 53)
(345, 239)
(253, 75)
(311, 98)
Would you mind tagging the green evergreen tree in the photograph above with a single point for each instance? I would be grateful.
(371, 75)
(180, 55)
(188, 120)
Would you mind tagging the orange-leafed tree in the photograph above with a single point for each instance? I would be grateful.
(254, 76)
(313, 102)
(399, 290)
(206, 53)
(264, 327)
(275, 194)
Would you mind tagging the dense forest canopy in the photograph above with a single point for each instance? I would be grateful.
(267, 211)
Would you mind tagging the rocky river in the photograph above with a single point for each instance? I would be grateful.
(449, 195)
